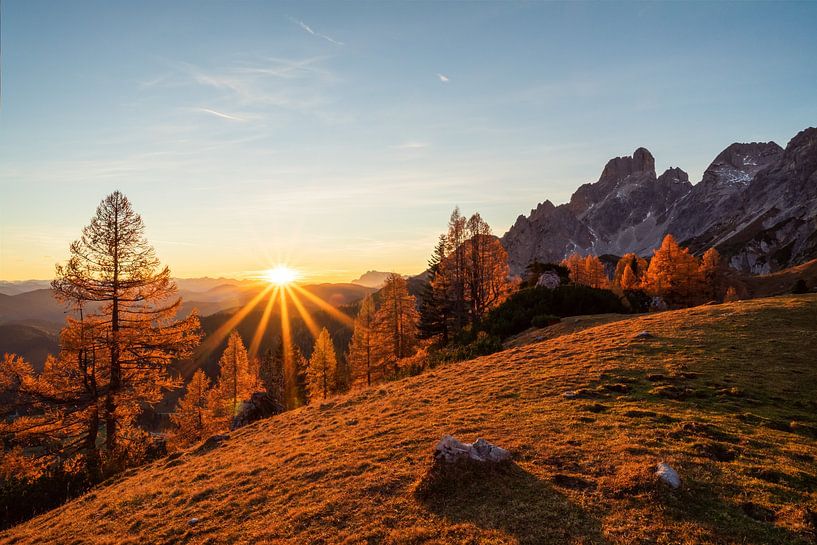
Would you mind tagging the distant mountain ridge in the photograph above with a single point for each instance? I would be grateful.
(372, 279)
(756, 203)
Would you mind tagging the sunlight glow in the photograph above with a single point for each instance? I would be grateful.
(281, 275)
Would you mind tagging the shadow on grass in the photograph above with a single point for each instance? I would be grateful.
(507, 498)
(747, 522)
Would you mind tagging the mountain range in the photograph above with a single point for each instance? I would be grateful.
(756, 203)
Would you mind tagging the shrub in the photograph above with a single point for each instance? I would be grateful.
(638, 300)
(799, 286)
(544, 320)
(516, 313)
(482, 345)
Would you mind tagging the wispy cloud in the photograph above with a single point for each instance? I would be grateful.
(219, 114)
(412, 145)
(443, 77)
(310, 30)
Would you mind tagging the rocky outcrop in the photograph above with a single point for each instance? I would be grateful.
(452, 451)
(756, 203)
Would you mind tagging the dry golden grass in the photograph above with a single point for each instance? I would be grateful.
(568, 325)
(725, 394)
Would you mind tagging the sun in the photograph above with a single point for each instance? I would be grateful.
(280, 275)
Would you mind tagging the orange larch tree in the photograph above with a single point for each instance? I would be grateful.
(113, 272)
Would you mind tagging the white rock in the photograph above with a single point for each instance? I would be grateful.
(549, 280)
(644, 335)
(193, 521)
(451, 450)
(668, 475)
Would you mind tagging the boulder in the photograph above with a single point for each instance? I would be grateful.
(549, 280)
(658, 304)
(667, 475)
(260, 405)
(457, 464)
(450, 450)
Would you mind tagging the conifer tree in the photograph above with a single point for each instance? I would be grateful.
(113, 267)
(575, 263)
(362, 350)
(235, 381)
(396, 321)
(455, 268)
(487, 268)
(435, 316)
(192, 418)
(298, 393)
(637, 266)
(322, 368)
(272, 374)
(673, 274)
(628, 280)
(594, 274)
(713, 273)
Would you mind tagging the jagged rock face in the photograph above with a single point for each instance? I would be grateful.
(548, 234)
(774, 224)
(618, 212)
(714, 202)
(757, 203)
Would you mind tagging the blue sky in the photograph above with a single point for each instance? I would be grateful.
(338, 136)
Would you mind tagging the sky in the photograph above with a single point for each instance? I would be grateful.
(337, 137)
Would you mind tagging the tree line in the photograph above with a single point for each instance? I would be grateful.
(673, 274)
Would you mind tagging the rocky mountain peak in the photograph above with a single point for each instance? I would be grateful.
(674, 175)
(756, 203)
(619, 168)
(739, 163)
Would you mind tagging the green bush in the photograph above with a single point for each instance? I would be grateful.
(482, 345)
(544, 320)
(517, 312)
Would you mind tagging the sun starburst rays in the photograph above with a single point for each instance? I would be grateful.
(281, 291)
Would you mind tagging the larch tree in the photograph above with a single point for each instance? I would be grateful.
(595, 277)
(713, 273)
(322, 367)
(362, 354)
(454, 268)
(236, 383)
(468, 275)
(113, 270)
(673, 274)
(628, 280)
(487, 268)
(575, 264)
(396, 323)
(192, 419)
(637, 266)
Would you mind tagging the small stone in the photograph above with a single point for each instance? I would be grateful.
(570, 394)
(644, 335)
(193, 521)
(667, 475)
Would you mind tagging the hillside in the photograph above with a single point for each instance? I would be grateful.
(723, 393)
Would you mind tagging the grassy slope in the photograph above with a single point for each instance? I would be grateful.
(743, 439)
